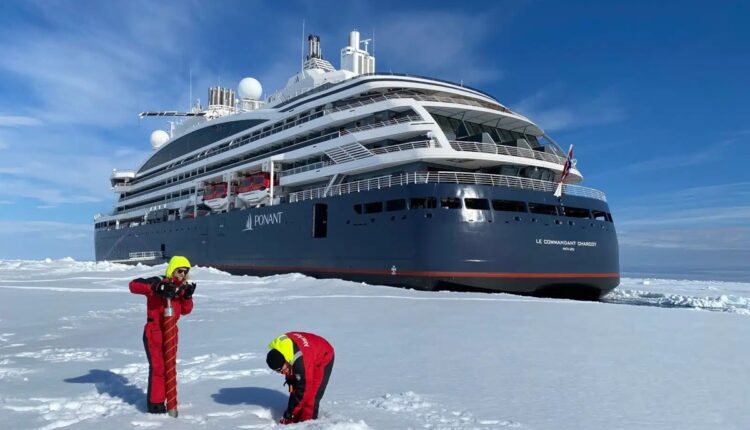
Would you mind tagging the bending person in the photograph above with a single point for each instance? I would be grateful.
(306, 360)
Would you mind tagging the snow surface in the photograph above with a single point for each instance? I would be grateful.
(657, 354)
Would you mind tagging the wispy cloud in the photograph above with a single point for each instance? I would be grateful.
(443, 44)
(555, 112)
(61, 230)
(99, 71)
(712, 217)
(702, 239)
(709, 153)
(18, 121)
(695, 216)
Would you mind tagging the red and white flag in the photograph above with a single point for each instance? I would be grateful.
(566, 170)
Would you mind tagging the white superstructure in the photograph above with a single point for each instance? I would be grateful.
(326, 130)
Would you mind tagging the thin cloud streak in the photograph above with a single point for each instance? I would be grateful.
(23, 227)
(601, 110)
(711, 153)
(97, 73)
(411, 41)
(696, 216)
(18, 121)
(696, 239)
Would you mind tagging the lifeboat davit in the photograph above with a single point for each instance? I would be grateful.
(255, 189)
(216, 196)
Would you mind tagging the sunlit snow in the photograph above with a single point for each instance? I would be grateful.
(656, 354)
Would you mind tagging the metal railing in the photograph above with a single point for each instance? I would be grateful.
(402, 147)
(445, 178)
(324, 87)
(420, 97)
(301, 169)
(147, 255)
(303, 143)
(408, 118)
(492, 148)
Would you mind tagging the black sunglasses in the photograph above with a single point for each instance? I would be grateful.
(181, 271)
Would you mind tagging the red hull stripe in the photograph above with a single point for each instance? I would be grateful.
(420, 273)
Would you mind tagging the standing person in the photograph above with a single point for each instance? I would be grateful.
(156, 289)
(306, 360)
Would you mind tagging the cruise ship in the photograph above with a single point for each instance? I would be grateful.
(382, 178)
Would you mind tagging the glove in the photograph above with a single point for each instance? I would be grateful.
(188, 290)
(287, 419)
(164, 289)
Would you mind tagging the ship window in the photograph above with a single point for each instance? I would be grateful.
(609, 217)
(450, 203)
(478, 204)
(508, 206)
(599, 215)
(374, 207)
(395, 205)
(575, 212)
(358, 208)
(423, 203)
(538, 208)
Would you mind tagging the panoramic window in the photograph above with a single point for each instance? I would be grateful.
(478, 204)
(395, 205)
(508, 206)
(423, 203)
(539, 208)
(374, 207)
(599, 215)
(575, 212)
(450, 203)
(358, 208)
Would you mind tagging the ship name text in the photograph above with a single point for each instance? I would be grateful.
(260, 220)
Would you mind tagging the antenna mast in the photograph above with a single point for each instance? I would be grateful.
(302, 57)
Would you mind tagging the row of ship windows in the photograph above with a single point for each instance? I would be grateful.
(480, 204)
(306, 140)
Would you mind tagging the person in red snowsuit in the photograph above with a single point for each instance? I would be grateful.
(306, 360)
(156, 289)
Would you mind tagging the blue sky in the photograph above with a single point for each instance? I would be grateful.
(652, 94)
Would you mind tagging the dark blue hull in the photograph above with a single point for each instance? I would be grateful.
(492, 250)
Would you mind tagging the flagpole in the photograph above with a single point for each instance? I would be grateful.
(565, 172)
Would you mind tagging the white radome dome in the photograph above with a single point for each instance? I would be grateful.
(159, 138)
(249, 88)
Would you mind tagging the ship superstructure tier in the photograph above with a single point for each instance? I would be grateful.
(338, 171)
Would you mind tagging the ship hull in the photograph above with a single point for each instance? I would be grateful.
(439, 248)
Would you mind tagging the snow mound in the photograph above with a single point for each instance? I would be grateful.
(722, 303)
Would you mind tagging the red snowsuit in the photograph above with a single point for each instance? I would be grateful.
(310, 373)
(152, 335)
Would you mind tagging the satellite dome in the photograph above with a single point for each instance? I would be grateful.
(159, 138)
(249, 88)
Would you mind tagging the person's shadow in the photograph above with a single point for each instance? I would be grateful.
(274, 400)
(114, 385)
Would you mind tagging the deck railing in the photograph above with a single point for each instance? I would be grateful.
(492, 148)
(147, 255)
(401, 147)
(445, 178)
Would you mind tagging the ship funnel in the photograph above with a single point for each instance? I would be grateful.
(219, 96)
(313, 47)
(354, 39)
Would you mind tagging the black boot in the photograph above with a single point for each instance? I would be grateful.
(157, 408)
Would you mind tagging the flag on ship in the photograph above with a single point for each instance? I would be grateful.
(565, 172)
